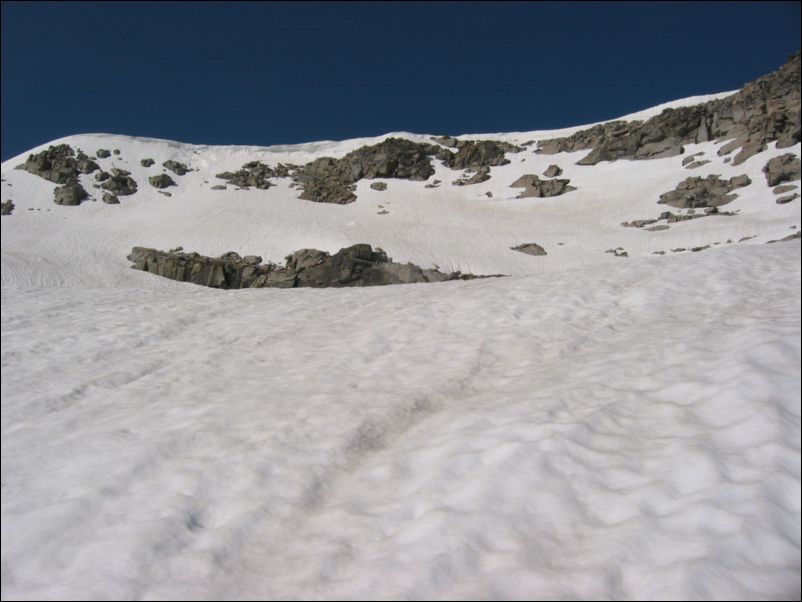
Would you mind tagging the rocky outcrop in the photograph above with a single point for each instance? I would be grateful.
(787, 198)
(784, 168)
(147, 162)
(793, 236)
(530, 248)
(553, 171)
(448, 141)
(763, 111)
(161, 181)
(698, 192)
(254, 174)
(102, 176)
(328, 180)
(7, 207)
(59, 164)
(671, 218)
(535, 187)
(476, 154)
(120, 183)
(784, 188)
(380, 186)
(358, 265)
(70, 194)
(177, 168)
(110, 199)
(102, 153)
(482, 175)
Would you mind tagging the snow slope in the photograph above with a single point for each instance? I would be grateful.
(593, 427)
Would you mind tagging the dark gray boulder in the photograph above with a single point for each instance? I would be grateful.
(553, 171)
(535, 187)
(116, 151)
(691, 158)
(7, 207)
(102, 176)
(784, 188)
(530, 248)
(147, 162)
(787, 198)
(695, 164)
(177, 168)
(161, 181)
(784, 168)
(120, 183)
(102, 153)
(110, 199)
(380, 186)
(69, 194)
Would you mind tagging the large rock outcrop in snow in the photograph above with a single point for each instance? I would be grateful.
(59, 164)
(784, 168)
(69, 194)
(535, 187)
(328, 180)
(476, 154)
(358, 265)
(696, 192)
(254, 174)
(763, 111)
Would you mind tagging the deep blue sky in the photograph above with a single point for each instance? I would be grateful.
(274, 73)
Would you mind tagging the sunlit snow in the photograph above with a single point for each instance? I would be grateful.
(592, 427)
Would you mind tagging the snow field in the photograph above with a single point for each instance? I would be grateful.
(631, 433)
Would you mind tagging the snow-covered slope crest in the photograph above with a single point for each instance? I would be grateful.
(467, 228)
(619, 419)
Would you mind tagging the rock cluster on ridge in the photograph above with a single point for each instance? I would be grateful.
(59, 164)
(329, 180)
(254, 174)
(763, 111)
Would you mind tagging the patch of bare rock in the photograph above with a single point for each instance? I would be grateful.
(358, 265)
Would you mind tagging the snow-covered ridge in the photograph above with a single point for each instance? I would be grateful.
(596, 426)
(344, 146)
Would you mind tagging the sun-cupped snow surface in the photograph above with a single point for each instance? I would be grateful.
(627, 433)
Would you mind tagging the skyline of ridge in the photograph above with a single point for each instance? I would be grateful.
(433, 69)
